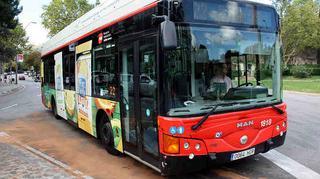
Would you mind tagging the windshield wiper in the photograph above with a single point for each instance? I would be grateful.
(215, 107)
(280, 111)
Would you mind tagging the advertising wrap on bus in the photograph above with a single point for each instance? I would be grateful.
(83, 78)
(177, 85)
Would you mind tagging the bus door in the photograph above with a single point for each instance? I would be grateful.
(138, 84)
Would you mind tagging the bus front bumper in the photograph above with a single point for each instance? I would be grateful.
(172, 165)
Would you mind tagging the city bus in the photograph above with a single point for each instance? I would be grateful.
(179, 85)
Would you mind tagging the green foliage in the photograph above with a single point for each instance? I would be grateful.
(301, 72)
(285, 70)
(8, 28)
(9, 10)
(60, 13)
(300, 27)
(313, 69)
(33, 59)
(265, 73)
(281, 6)
(13, 43)
(309, 85)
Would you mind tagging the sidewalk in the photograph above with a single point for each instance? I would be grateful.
(18, 162)
(8, 88)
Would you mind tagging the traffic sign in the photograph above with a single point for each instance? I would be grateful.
(20, 58)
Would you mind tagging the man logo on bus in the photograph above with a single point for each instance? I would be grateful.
(245, 124)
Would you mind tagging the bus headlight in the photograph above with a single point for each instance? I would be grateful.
(197, 146)
(284, 124)
(186, 145)
(281, 133)
(170, 144)
(218, 135)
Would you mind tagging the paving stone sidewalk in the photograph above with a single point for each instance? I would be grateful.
(17, 162)
(7, 88)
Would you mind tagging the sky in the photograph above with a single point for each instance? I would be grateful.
(32, 10)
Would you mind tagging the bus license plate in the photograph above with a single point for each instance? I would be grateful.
(243, 154)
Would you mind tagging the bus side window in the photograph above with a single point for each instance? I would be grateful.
(66, 81)
(69, 71)
(51, 78)
(72, 72)
(46, 72)
(104, 72)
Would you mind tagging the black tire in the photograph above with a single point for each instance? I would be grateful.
(54, 109)
(106, 135)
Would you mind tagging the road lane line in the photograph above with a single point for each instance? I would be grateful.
(8, 107)
(291, 166)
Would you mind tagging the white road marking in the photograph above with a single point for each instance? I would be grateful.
(289, 165)
(8, 107)
(3, 134)
(48, 158)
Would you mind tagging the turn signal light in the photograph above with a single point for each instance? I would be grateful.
(284, 124)
(171, 144)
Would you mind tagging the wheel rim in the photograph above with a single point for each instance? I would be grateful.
(106, 133)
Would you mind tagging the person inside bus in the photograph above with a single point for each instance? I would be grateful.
(220, 79)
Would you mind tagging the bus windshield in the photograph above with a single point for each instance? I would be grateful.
(213, 65)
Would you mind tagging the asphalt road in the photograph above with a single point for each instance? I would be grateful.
(21, 103)
(33, 125)
(303, 138)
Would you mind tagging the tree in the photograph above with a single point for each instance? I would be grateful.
(60, 13)
(9, 11)
(318, 53)
(12, 44)
(281, 6)
(97, 2)
(33, 59)
(300, 28)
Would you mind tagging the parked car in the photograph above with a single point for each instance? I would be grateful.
(22, 77)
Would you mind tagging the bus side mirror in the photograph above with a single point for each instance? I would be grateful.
(168, 35)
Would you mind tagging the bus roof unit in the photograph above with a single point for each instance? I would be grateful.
(104, 15)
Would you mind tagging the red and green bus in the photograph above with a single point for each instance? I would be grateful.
(176, 84)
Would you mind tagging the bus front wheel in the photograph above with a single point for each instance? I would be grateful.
(106, 135)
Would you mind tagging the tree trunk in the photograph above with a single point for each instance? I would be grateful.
(318, 57)
(1, 67)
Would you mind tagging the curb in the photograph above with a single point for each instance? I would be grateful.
(38, 154)
(304, 93)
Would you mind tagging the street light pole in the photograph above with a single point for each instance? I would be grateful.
(32, 22)
(16, 69)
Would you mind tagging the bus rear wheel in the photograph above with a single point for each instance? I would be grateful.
(106, 136)
(54, 109)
